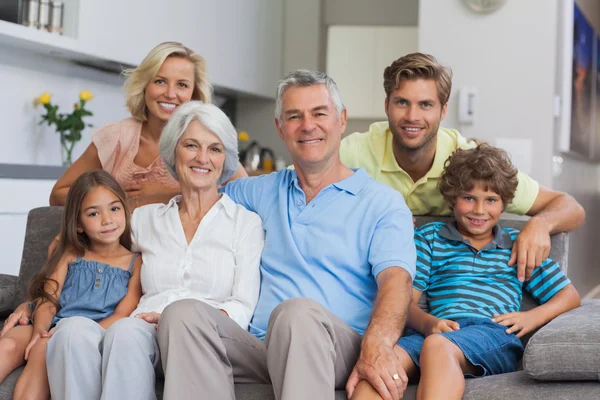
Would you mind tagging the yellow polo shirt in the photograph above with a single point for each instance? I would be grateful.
(372, 150)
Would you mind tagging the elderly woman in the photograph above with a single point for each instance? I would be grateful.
(200, 245)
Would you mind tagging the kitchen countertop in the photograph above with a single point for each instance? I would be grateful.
(28, 171)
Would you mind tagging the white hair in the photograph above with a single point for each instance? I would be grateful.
(214, 120)
(307, 77)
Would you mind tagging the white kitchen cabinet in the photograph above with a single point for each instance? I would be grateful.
(241, 40)
(356, 59)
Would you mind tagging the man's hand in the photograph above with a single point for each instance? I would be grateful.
(441, 325)
(522, 322)
(20, 316)
(379, 365)
(531, 248)
(151, 318)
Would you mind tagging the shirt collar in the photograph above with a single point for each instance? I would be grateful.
(385, 151)
(352, 184)
(225, 201)
(501, 238)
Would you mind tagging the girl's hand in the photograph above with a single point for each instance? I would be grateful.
(151, 318)
(521, 322)
(442, 325)
(35, 337)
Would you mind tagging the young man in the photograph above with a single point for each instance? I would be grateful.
(408, 151)
(474, 296)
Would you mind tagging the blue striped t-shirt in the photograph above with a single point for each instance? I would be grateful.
(463, 282)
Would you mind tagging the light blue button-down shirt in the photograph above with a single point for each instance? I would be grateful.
(329, 250)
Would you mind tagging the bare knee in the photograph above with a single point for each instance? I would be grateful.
(365, 391)
(438, 346)
(10, 348)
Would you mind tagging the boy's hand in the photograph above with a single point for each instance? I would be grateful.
(521, 322)
(441, 325)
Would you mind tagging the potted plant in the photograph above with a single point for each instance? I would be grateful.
(68, 126)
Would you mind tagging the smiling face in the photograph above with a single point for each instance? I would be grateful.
(172, 86)
(310, 125)
(477, 211)
(102, 217)
(414, 113)
(199, 158)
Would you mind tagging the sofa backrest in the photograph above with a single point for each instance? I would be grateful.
(44, 223)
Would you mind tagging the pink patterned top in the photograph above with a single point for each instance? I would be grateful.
(117, 145)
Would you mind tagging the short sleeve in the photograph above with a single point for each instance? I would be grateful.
(246, 191)
(106, 140)
(546, 281)
(347, 151)
(392, 244)
(421, 282)
(527, 192)
(134, 223)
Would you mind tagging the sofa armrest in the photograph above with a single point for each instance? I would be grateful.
(567, 348)
(8, 292)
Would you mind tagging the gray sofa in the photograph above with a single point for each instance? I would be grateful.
(565, 354)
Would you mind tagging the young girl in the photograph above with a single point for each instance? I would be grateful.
(92, 273)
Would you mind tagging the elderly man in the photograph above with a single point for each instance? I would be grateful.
(337, 271)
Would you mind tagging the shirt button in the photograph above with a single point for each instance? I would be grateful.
(99, 270)
(98, 280)
(97, 285)
(299, 203)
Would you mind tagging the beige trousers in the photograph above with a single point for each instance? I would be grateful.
(308, 352)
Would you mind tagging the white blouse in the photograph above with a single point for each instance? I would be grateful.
(220, 266)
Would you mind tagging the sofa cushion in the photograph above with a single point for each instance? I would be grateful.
(568, 348)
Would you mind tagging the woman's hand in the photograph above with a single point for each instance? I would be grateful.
(522, 322)
(20, 316)
(151, 318)
(53, 245)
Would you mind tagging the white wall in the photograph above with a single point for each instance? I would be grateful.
(510, 57)
(582, 180)
(19, 196)
(26, 76)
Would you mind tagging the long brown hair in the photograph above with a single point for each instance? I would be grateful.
(42, 287)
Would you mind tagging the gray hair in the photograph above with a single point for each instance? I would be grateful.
(306, 77)
(214, 120)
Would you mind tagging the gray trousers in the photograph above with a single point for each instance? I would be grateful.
(84, 361)
(308, 352)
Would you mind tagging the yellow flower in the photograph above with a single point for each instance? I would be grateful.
(86, 95)
(75, 106)
(243, 136)
(44, 98)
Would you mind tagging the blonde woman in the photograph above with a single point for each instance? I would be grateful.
(170, 75)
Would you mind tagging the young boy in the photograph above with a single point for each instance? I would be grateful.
(474, 324)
